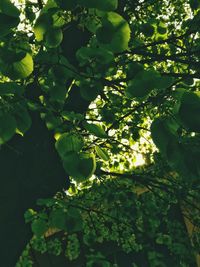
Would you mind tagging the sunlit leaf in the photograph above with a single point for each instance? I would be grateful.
(102, 153)
(41, 26)
(23, 68)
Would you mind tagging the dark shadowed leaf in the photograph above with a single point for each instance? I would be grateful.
(22, 118)
(39, 227)
(11, 88)
(163, 132)
(8, 8)
(7, 23)
(189, 111)
(7, 127)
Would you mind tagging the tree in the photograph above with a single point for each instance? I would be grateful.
(100, 98)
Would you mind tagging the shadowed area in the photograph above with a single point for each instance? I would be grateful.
(30, 169)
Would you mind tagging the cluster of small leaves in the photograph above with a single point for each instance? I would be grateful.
(25, 259)
(73, 247)
(115, 214)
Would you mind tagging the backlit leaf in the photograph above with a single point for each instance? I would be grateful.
(163, 132)
(80, 166)
(69, 142)
(95, 129)
(119, 32)
(102, 153)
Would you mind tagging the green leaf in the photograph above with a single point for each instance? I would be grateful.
(89, 93)
(11, 88)
(57, 219)
(52, 121)
(7, 23)
(147, 29)
(24, 67)
(29, 215)
(69, 221)
(164, 82)
(163, 132)
(95, 129)
(23, 119)
(133, 69)
(119, 33)
(79, 166)
(102, 153)
(58, 92)
(106, 5)
(162, 28)
(8, 8)
(72, 116)
(61, 73)
(7, 127)
(189, 111)
(74, 222)
(19, 69)
(143, 83)
(138, 88)
(87, 165)
(42, 24)
(53, 37)
(89, 90)
(101, 55)
(68, 142)
(39, 227)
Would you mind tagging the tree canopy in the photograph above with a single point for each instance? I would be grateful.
(100, 98)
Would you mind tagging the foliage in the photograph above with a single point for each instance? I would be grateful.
(114, 81)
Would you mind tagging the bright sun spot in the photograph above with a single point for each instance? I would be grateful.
(139, 160)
